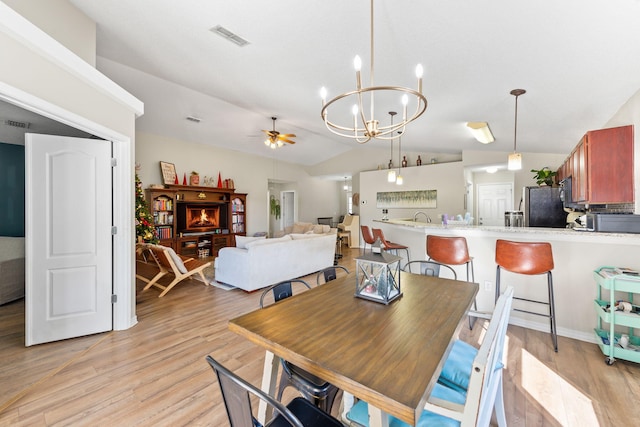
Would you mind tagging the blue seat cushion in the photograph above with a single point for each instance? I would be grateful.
(457, 368)
(360, 411)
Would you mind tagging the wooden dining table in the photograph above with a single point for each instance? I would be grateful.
(387, 355)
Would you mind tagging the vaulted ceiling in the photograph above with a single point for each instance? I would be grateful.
(579, 61)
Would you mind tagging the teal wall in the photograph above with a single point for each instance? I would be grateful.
(12, 190)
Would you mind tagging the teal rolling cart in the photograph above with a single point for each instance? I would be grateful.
(615, 285)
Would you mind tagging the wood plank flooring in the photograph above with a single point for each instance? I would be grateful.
(154, 374)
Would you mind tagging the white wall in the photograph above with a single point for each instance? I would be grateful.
(446, 178)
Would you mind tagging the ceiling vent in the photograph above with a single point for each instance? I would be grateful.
(22, 125)
(194, 119)
(232, 37)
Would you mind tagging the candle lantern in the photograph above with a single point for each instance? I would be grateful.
(378, 277)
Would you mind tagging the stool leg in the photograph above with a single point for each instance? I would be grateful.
(497, 283)
(472, 319)
(552, 313)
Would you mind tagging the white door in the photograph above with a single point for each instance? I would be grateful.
(68, 242)
(493, 201)
(288, 208)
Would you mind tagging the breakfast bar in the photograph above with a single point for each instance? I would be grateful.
(576, 255)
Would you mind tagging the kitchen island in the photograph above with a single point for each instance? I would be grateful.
(576, 255)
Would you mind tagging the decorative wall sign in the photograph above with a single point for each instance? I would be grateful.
(168, 172)
(407, 199)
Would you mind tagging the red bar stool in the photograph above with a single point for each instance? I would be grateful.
(387, 245)
(452, 251)
(529, 258)
(367, 236)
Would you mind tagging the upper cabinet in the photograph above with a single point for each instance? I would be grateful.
(601, 167)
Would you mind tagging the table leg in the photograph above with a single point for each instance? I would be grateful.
(269, 380)
(377, 418)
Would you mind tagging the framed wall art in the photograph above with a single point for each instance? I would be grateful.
(168, 173)
(407, 199)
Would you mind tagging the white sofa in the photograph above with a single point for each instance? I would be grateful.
(258, 262)
(305, 228)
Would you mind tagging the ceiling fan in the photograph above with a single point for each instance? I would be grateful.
(276, 139)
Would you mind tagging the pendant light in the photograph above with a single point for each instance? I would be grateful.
(345, 187)
(391, 175)
(515, 158)
(399, 179)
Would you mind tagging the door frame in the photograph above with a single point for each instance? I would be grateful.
(124, 315)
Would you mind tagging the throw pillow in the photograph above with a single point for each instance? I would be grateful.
(299, 228)
(177, 260)
(241, 241)
(303, 236)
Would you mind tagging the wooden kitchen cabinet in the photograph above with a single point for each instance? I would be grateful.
(610, 165)
(601, 167)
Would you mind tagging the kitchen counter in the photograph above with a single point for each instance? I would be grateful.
(576, 255)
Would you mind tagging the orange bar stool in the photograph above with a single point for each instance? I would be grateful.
(529, 258)
(387, 245)
(452, 251)
(367, 236)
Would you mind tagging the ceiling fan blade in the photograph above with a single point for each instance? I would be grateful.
(268, 132)
(288, 135)
(287, 140)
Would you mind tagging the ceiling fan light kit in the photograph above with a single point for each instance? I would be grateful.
(515, 158)
(276, 139)
(361, 127)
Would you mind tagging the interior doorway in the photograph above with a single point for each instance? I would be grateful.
(289, 205)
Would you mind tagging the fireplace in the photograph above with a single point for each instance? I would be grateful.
(197, 217)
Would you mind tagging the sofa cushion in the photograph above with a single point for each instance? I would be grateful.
(307, 235)
(267, 241)
(300, 228)
(242, 241)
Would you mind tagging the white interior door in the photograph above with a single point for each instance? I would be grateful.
(68, 241)
(493, 201)
(288, 208)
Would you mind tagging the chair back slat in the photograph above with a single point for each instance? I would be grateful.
(236, 401)
(486, 374)
(161, 256)
(429, 268)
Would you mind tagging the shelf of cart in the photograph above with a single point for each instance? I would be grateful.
(632, 352)
(631, 320)
(621, 282)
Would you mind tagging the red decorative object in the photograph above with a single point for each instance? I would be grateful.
(175, 181)
(184, 180)
(219, 180)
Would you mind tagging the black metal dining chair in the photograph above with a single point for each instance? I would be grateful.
(330, 273)
(314, 389)
(235, 394)
(430, 268)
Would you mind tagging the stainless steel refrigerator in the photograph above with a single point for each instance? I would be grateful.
(542, 207)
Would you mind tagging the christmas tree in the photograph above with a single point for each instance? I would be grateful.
(144, 221)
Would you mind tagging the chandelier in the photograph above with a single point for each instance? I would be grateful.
(361, 127)
(515, 158)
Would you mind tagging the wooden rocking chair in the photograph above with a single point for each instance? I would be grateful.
(170, 262)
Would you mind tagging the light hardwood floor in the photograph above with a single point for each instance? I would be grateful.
(154, 374)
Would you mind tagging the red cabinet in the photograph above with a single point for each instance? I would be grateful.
(601, 167)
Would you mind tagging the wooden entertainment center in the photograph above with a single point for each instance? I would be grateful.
(197, 221)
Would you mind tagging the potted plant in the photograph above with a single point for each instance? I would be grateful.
(275, 207)
(544, 176)
(194, 179)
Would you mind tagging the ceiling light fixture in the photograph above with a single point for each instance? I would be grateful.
(391, 175)
(345, 187)
(481, 132)
(515, 158)
(364, 128)
(492, 169)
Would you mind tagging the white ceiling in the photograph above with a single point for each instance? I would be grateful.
(579, 61)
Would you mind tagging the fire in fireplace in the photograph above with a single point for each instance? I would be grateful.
(201, 217)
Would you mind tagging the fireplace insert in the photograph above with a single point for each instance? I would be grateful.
(200, 217)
